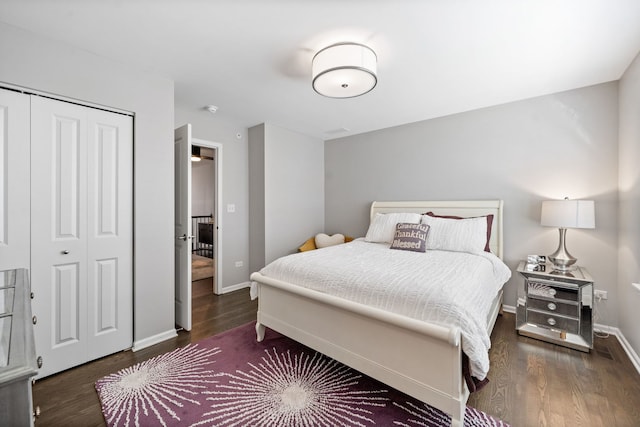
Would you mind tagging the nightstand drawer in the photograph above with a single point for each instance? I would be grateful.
(551, 321)
(547, 290)
(554, 307)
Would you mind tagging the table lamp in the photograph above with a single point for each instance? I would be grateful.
(565, 214)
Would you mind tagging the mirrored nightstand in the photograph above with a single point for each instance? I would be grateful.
(555, 306)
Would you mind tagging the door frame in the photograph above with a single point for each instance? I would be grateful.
(217, 229)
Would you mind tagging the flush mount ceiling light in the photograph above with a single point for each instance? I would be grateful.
(344, 70)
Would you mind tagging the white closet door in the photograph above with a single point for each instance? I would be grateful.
(110, 233)
(81, 216)
(58, 233)
(14, 180)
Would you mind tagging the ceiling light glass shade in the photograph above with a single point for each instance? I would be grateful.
(344, 70)
(566, 214)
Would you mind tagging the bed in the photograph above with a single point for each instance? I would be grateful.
(428, 367)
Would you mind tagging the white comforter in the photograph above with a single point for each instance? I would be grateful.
(449, 288)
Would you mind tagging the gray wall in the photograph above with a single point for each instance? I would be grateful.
(257, 198)
(235, 173)
(523, 152)
(287, 191)
(629, 216)
(202, 181)
(33, 62)
(294, 190)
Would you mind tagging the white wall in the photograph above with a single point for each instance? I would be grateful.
(523, 152)
(32, 62)
(235, 172)
(629, 215)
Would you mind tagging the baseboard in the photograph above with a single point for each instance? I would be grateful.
(227, 289)
(509, 308)
(155, 339)
(633, 356)
(631, 353)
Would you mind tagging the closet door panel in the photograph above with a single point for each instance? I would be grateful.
(110, 246)
(58, 232)
(106, 180)
(14, 180)
(65, 308)
(106, 281)
(65, 173)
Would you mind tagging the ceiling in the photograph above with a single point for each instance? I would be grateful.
(252, 58)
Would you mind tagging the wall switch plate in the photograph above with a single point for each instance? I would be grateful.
(239, 263)
(600, 295)
(231, 208)
(636, 286)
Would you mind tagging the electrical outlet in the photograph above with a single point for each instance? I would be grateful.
(600, 295)
(239, 263)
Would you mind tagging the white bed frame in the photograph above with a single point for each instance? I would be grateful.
(418, 358)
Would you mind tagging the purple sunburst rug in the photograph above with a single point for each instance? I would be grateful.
(232, 380)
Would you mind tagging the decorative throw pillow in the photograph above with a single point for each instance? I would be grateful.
(383, 226)
(489, 225)
(458, 235)
(410, 237)
(324, 240)
(309, 245)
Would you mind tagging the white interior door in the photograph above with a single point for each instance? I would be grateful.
(14, 180)
(81, 232)
(183, 233)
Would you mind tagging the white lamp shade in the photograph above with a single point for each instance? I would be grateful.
(344, 70)
(568, 214)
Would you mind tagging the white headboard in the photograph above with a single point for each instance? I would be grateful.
(463, 208)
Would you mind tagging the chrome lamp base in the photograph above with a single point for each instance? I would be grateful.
(562, 260)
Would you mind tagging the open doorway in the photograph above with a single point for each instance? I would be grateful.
(205, 219)
(185, 239)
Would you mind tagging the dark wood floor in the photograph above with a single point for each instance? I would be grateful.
(70, 399)
(532, 383)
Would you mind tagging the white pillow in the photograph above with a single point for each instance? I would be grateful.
(383, 227)
(458, 235)
(324, 240)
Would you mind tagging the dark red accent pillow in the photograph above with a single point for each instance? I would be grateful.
(489, 224)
